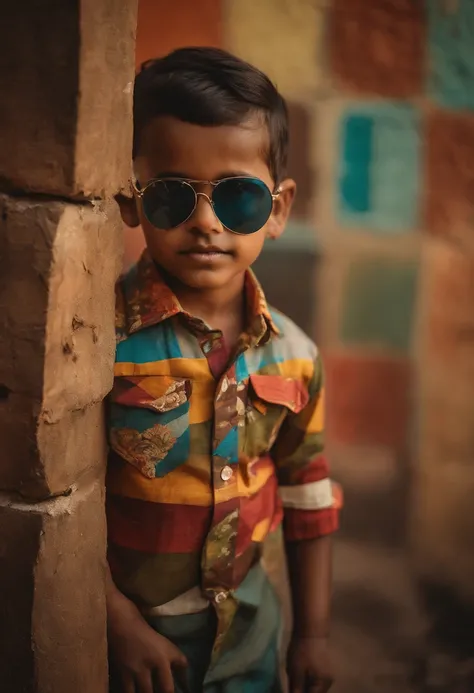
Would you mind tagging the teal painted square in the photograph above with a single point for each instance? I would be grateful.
(378, 302)
(451, 54)
(379, 168)
(358, 145)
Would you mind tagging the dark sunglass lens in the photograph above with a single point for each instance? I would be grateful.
(243, 205)
(168, 203)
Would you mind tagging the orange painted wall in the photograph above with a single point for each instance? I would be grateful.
(164, 25)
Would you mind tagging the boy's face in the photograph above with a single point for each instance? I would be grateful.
(172, 148)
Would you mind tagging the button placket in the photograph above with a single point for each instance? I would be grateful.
(227, 473)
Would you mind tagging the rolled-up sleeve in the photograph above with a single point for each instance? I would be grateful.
(311, 501)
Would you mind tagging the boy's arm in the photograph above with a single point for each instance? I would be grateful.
(310, 504)
(309, 566)
(309, 664)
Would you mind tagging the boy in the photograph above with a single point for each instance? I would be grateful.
(215, 419)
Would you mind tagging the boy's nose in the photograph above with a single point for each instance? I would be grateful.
(204, 218)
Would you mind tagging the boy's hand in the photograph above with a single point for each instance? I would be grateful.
(143, 660)
(309, 665)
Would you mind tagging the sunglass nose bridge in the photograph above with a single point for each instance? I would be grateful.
(206, 196)
(211, 203)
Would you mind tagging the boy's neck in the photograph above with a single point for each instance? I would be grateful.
(222, 308)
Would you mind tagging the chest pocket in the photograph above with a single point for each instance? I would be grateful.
(271, 399)
(149, 422)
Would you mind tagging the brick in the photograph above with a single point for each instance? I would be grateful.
(378, 48)
(442, 532)
(40, 459)
(368, 400)
(282, 38)
(451, 53)
(378, 304)
(66, 126)
(57, 260)
(299, 161)
(446, 356)
(448, 301)
(162, 27)
(52, 580)
(449, 199)
(379, 167)
(80, 346)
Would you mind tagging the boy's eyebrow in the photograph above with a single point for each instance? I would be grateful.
(234, 174)
(180, 174)
(170, 174)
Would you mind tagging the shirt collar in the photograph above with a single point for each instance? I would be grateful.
(147, 300)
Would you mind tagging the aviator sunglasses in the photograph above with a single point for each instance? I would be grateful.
(242, 204)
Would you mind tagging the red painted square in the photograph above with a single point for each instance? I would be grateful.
(378, 46)
(449, 203)
(164, 25)
(368, 400)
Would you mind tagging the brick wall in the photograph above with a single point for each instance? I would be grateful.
(65, 144)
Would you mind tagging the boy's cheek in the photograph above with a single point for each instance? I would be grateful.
(248, 248)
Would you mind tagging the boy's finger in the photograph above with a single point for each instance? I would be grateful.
(181, 675)
(178, 659)
(128, 684)
(164, 679)
(144, 683)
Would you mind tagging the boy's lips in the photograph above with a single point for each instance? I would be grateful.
(205, 253)
(205, 250)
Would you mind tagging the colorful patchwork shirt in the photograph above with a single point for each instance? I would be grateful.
(211, 451)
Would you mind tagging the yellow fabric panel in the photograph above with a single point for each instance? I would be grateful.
(187, 485)
(195, 369)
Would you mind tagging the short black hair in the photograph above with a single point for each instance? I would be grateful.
(209, 86)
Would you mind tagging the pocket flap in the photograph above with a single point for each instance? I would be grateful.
(160, 393)
(276, 389)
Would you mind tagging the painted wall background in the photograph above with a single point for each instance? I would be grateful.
(380, 255)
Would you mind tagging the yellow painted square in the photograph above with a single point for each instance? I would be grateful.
(283, 38)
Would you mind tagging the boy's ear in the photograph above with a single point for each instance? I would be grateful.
(281, 209)
(128, 210)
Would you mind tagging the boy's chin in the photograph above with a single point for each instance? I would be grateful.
(203, 278)
(206, 279)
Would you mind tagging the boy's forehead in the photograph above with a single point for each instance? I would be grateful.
(169, 146)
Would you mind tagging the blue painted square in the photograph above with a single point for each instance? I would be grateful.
(379, 168)
(451, 53)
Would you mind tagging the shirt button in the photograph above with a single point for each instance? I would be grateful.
(220, 597)
(226, 473)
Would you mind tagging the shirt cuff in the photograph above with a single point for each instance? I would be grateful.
(311, 510)
(301, 525)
